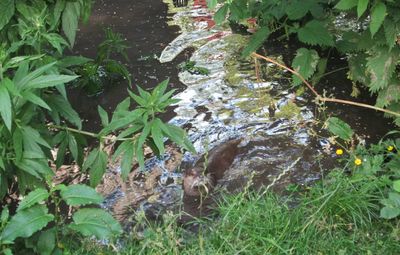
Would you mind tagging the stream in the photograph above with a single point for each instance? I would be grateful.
(278, 128)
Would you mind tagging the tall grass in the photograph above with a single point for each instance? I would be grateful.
(337, 216)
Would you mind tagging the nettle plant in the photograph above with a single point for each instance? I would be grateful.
(371, 45)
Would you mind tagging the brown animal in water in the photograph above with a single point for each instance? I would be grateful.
(200, 179)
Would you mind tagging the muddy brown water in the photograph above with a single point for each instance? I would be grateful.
(144, 24)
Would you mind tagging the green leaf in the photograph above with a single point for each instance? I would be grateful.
(389, 212)
(35, 167)
(59, 104)
(73, 146)
(378, 14)
(126, 162)
(18, 144)
(97, 222)
(98, 169)
(391, 31)
(31, 97)
(103, 116)
(298, 9)
(69, 61)
(346, 4)
(211, 4)
(362, 7)
(381, 67)
(396, 185)
(7, 9)
(220, 15)
(25, 223)
(340, 128)
(256, 41)
(78, 194)
(52, 80)
(34, 197)
(47, 242)
(24, 77)
(32, 135)
(315, 33)
(90, 159)
(156, 135)
(305, 63)
(5, 214)
(70, 19)
(122, 122)
(5, 103)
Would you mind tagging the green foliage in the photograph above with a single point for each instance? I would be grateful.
(191, 67)
(339, 128)
(96, 74)
(372, 49)
(305, 63)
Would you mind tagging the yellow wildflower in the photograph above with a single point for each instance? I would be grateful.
(339, 152)
(357, 161)
(390, 148)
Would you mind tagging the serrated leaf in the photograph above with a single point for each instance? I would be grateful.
(378, 14)
(346, 4)
(96, 222)
(256, 41)
(362, 7)
(298, 9)
(25, 223)
(381, 67)
(7, 9)
(392, 29)
(220, 15)
(388, 95)
(34, 197)
(305, 63)
(78, 194)
(358, 68)
(315, 33)
(5, 103)
(340, 128)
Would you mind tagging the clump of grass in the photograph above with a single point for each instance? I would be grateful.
(337, 216)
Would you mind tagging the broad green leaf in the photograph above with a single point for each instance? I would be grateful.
(346, 4)
(298, 9)
(78, 194)
(220, 15)
(31, 97)
(315, 33)
(93, 155)
(256, 41)
(5, 214)
(97, 222)
(34, 197)
(177, 135)
(103, 116)
(47, 242)
(305, 63)
(62, 148)
(52, 80)
(7, 9)
(378, 14)
(5, 103)
(362, 7)
(340, 128)
(389, 212)
(32, 135)
(98, 169)
(381, 67)
(127, 159)
(396, 185)
(69, 61)
(25, 223)
(70, 18)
